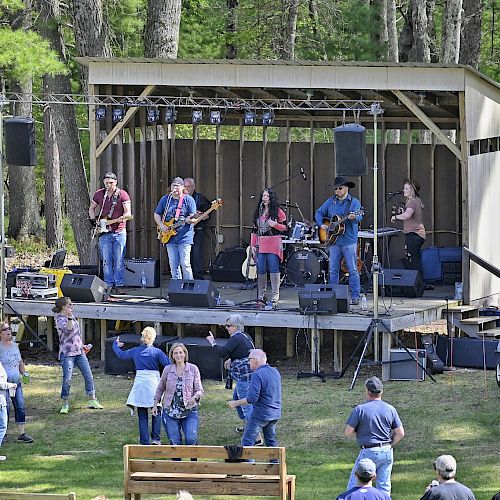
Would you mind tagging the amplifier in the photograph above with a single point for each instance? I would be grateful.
(35, 293)
(134, 268)
(404, 367)
(35, 280)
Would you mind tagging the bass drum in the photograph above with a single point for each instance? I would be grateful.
(309, 265)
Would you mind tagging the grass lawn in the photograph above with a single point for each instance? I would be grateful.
(82, 451)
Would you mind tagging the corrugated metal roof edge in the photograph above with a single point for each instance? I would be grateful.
(243, 62)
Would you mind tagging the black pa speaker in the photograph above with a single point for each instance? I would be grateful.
(402, 283)
(350, 150)
(227, 265)
(83, 287)
(341, 294)
(20, 141)
(195, 293)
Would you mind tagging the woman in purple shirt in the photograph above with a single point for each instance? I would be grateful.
(72, 352)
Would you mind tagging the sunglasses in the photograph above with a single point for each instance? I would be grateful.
(7, 328)
(227, 326)
(338, 188)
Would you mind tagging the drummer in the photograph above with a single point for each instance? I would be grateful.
(343, 204)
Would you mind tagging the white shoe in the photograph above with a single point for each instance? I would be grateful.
(2, 458)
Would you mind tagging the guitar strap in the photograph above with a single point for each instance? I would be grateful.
(179, 207)
(114, 202)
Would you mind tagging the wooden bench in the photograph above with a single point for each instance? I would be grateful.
(16, 495)
(150, 469)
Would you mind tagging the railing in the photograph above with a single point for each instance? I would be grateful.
(468, 256)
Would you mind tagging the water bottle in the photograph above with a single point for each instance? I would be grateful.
(143, 279)
(268, 306)
(364, 306)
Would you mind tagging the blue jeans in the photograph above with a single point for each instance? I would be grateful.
(241, 392)
(188, 425)
(382, 456)
(3, 422)
(179, 256)
(349, 253)
(268, 262)
(256, 425)
(112, 250)
(18, 403)
(142, 413)
(68, 362)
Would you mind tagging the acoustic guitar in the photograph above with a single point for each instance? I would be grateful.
(102, 225)
(215, 205)
(249, 267)
(336, 227)
(165, 235)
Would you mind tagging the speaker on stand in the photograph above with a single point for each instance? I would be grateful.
(350, 150)
(20, 141)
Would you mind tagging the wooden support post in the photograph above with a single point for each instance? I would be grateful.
(289, 342)
(50, 332)
(103, 330)
(180, 330)
(259, 337)
(386, 356)
(158, 327)
(321, 337)
(337, 350)
(81, 324)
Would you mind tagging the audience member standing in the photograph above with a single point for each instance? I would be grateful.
(378, 428)
(148, 360)
(366, 472)
(4, 388)
(447, 488)
(264, 394)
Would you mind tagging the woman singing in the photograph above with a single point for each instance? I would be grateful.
(147, 360)
(181, 390)
(413, 227)
(71, 353)
(267, 248)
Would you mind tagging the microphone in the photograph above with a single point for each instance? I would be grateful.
(392, 193)
(303, 174)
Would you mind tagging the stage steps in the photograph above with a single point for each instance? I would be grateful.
(466, 319)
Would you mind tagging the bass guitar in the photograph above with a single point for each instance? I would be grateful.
(102, 225)
(165, 235)
(336, 227)
(249, 267)
(215, 205)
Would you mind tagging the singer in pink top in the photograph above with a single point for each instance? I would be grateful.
(267, 248)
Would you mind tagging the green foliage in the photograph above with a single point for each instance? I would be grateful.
(24, 54)
(11, 5)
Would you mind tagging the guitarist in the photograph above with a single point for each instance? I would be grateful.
(176, 207)
(343, 204)
(202, 205)
(112, 203)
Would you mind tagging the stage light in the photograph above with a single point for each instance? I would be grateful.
(100, 113)
(267, 118)
(197, 116)
(118, 114)
(170, 114)
(215, 117)
(249, 118)
(152, 114)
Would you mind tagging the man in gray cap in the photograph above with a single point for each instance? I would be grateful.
(446, 488)
(377, 428)
(342, 238)
(366, 472)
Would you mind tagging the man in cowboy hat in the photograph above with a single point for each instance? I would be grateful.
(342, 205)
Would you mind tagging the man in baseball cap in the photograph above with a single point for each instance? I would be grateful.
(366, 472)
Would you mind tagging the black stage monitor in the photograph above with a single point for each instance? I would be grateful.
(317, 302)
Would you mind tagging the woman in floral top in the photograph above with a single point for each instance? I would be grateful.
(72, 352)
(181, 390)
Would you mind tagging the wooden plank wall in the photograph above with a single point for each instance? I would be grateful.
(236, 170)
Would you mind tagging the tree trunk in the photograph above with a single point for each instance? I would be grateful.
(470, 38)
(406, 43)
(289, 30)
(66, 136)
(392, 32)
(162, 28)
(92, 36)
(452, 22)
(24, 215)
(53, 211)
(380, 37)
(231, 28)
(421, 31)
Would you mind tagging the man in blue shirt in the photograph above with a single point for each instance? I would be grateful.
(178, 208)
(378, 428)
(342, 204)
(366, 472)
(264, 394)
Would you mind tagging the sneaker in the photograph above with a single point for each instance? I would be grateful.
(24, 438)
(2, 458)
(156, 442)
(259, 443)
(355, 301)
(94, 404)
(240, 429)
(64, 408)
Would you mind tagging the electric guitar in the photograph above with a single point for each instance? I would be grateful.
(101, 226)
(249, 267)
(165, 235)
(336, 227)
(215, 205)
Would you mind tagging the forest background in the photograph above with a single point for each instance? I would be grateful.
(39, 40)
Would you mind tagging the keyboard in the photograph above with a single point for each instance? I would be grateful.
(381, 232)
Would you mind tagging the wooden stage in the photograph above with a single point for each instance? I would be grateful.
(150, 305)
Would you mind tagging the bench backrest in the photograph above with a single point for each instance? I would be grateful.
(10, 495)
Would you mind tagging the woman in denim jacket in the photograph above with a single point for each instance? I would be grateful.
(180, 391)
